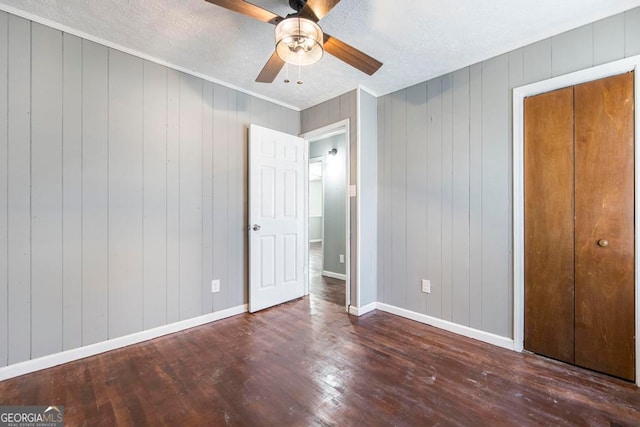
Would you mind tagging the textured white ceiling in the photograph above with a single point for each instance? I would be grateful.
(416, 40)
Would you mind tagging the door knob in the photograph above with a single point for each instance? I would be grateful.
(603, 243)
(256, 227)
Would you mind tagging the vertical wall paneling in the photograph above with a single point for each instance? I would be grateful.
(72, 192)
(572, 51)
(368, 179)
(293, 122)
(460, 198)
(434, 196)
(274, 120)
(221, 195)
(276, 116)
(173, 196)
(349, 109)
(242, 128)
(259, 112)
(190, 196)
(333, 110)
(382, 192)
(207, 197)
(4, 179)
(537, 61)
(305, 118)
(495, 196)
(46, 190)
(398, 217)
(608, 39)
(18, 194)
(516, 78)
(322, 113)
(632, 32)
(447, 197)
(116, 173)
(475, 196)
(417, 191)
(95, 196)
(234, 214)
(257, 115)
(154, 162)
(387, 238)
(125, 193)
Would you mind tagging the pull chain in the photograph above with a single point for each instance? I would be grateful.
(286, 72)
(299, 74)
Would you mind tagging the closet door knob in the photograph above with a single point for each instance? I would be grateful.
(603, 243)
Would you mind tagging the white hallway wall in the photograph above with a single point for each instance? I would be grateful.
(123, 191)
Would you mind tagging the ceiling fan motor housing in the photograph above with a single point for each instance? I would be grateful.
(297, 5)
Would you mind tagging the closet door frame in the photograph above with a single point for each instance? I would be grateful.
(519, 94)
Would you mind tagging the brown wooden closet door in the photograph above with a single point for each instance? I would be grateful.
(548, 224)
(604, 204)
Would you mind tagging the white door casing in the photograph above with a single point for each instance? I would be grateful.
(276, 217)
(341, 127)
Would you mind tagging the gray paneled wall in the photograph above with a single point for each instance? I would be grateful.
(368, 121)
(329, 112)
(123, 191)
(445, 178)
(4, 201)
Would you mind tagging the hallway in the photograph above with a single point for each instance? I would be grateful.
(326, 288)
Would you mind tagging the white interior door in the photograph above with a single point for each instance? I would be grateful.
(276, 217)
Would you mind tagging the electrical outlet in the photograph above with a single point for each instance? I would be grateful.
(215, 286)
(341, 259)
(426, 286)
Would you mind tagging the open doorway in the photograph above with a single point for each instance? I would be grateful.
(328, 217)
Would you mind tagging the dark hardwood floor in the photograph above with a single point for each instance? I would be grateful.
(308, 363)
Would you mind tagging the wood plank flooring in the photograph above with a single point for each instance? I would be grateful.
(308, 363)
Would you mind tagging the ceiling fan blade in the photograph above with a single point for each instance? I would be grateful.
(351, 55)
(248, 9)
(271, 69)
(317, 9)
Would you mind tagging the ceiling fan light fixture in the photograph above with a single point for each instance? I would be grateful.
(299, 41)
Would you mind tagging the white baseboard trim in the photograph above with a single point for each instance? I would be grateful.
(52, 360)
(449, 326)
(315, 240)
(359, 311)
(334, 275)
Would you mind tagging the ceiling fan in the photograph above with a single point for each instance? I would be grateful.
(299, 39)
